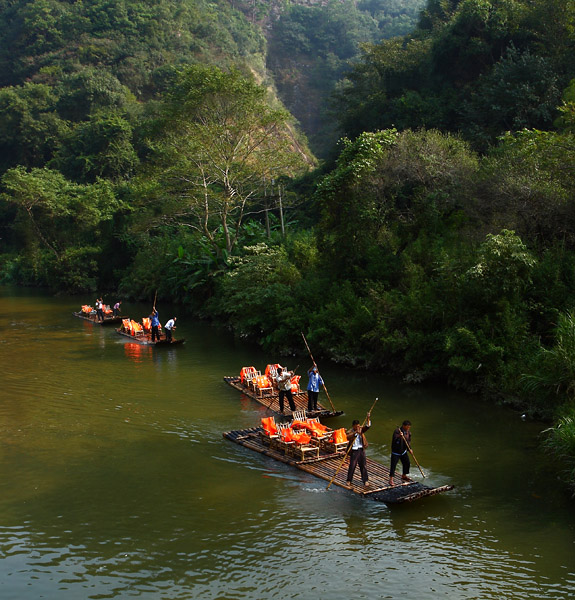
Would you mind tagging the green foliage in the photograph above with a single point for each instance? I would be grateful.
(30, 128)
(99, 148)
(220, 141)
(474, 66)
(503, 269)
(91, 90)
(60, 223)
(560, 441)
(526, 184)
(385, 183)
(327, 37)
(519, 92)
(131, 39)
(552, 381)
(256, 292)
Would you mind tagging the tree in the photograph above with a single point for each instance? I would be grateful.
(519, 92)
(59, 223)
(30, 128)
(527, 183)
(220, 141)
(100, 147)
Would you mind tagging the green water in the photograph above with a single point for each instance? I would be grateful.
(116, 481)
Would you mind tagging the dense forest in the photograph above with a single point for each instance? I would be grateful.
(147, 146)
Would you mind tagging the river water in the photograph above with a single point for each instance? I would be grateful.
(116, 481)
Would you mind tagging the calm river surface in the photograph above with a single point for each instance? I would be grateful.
(116, 481)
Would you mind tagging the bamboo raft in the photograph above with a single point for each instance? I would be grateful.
(145, 339)
(271, 400)
(93, 318)
(326, 466)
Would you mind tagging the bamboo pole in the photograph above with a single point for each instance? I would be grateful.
(350, 445)
(315, 365)
(410, 451)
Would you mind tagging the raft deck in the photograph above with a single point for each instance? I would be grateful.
(270, 400)
(327, 465)
(94, 319)
(145, 339)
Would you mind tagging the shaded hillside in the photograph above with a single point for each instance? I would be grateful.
(313, 44)
(475, 67)
(134, 40)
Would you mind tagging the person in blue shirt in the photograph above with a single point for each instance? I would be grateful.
(315, 381)
(155, 323)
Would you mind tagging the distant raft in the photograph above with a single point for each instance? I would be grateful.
(325, 460)
(89, 314)
(141, 333)
(263, 389)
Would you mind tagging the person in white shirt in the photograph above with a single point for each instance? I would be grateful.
(356, 437)
(169, 327)
(284, 386)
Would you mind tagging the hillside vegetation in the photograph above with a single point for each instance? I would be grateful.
(142, 149)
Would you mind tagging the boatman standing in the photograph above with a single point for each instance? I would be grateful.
(356, 437)
(315, 381)
(284, 386)
(155, 323)
(169, 327)
(99, 309)
(400, 446)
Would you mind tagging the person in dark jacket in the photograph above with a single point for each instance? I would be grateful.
(400, 450)
(356, 438)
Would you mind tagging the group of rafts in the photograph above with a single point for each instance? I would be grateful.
(139, 332)
(302, 441)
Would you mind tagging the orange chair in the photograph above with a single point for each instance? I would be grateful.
(317, 429)
(147, 324)
(247, 372)
(87, 309)
(272, 372)
(127, 326)
(137, 329)
(295, 384)
(269, 433)
(285, 441)
(302, 447)
(312, 426)
(262, 385)
(336, 443)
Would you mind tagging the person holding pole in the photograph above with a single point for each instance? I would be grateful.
(400, 450)
(155, 323)
(358, 442)
(314, 382)
(284, 386)
(169, 327)
(315, 365)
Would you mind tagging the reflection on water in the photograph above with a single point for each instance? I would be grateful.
(117, 483)
(137, 352)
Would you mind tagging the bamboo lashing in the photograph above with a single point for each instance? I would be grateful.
(315, 365)
(350, 445)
